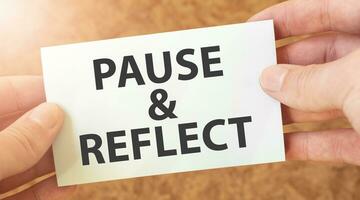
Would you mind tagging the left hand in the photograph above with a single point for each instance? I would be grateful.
(26, 134)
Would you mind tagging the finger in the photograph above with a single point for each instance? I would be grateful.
(46, 190)
(318, 49)
(43, 167)
(342, 145)
(291, 116)
(298, 17)
(313, 88)
(19, 94)
(26, 141)
(317, 88)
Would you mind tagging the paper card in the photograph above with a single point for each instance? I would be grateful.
(164, 103)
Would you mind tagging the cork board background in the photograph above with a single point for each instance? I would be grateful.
(25, 26)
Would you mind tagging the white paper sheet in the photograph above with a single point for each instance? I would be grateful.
(244, 51)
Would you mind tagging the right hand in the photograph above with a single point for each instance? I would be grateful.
(319, 77)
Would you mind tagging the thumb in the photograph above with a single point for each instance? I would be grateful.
(317, 88)
(26, 141)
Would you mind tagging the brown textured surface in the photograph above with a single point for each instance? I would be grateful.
(28, 25)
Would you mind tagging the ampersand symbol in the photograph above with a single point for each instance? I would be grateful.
(159, 103)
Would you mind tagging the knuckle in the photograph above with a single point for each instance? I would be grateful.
(351, 149)
(325, 14)
(286, 20)
(337, 147)
(331, 52)
(333, 114)
(304, 81)
(306, 147)
(349, 98)
(346, 81)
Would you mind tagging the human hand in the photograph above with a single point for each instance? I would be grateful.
(26, 137)
(329, 84)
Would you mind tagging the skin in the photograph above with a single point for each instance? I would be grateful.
(317, 80)
(28, 127)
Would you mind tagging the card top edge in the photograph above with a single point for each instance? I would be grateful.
(154, 34)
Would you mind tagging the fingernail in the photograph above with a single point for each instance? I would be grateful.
(273, 78)
(46, 115)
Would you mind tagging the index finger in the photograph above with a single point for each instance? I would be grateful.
(18, 94)
(299, 17)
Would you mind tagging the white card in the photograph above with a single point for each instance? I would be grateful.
(164, 103)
